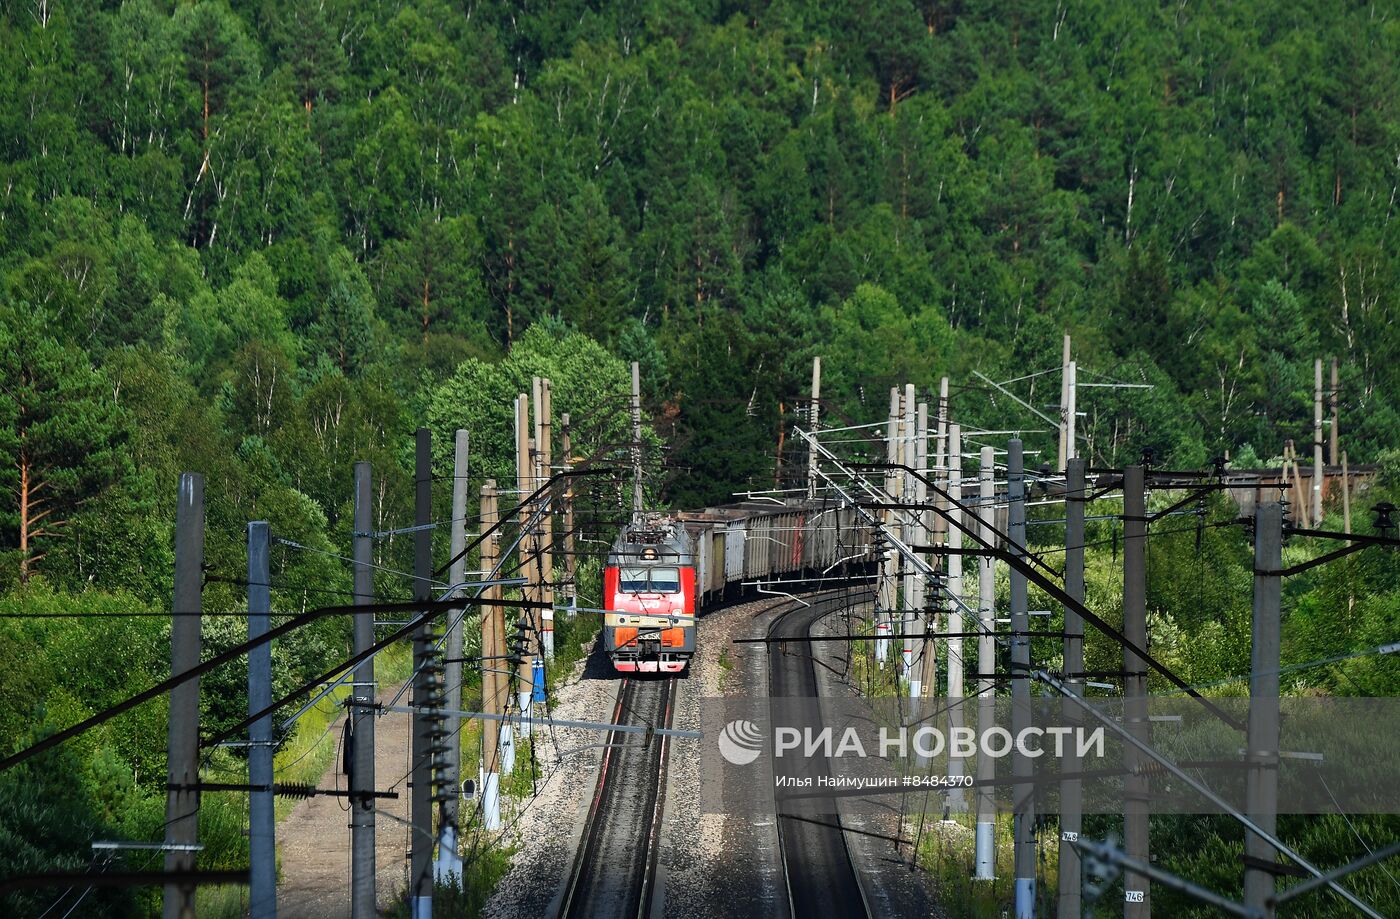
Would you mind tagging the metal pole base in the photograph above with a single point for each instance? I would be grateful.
(507, 748)
(1025, 898)
(448, 868)
(491, 801)
(986, 858)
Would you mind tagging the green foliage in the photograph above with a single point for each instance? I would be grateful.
(589, 384)
(60, 433)
(263, 241)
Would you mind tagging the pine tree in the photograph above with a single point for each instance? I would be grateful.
(61, 433)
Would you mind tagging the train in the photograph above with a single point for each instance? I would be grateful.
(664, 570)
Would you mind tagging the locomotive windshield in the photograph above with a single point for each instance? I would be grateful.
(666, 580)
(633, 581)
(649, 580)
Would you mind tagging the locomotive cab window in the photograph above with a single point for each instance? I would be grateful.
(633, 581)
(666, 580)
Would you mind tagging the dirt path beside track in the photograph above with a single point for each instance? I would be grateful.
(313, 842)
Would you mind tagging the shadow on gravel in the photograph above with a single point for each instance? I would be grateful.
(598, 667)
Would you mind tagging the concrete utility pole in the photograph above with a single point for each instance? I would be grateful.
(1064, 408)
(813, 417)
(1072, 790)
(911, 578)
(544, 462)
(985, 856)
(887, 597)
(1336, 432)
(528, 561)
(1261, 793)
(362, 885)
(955, 614)
(1317, 443)
(182, 739)
(420, 878)
(940, 475)
(570, 563)
(496, 742)
(928, 647)
(937, 533)
(262, 821)
(1072, 412)
(636, 443)
(1021, 767)
(1137, 895)
(449, 863)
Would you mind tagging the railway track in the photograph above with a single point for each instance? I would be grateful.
(821, 878)
(614, 871)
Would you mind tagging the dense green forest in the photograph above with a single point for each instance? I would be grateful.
(264, 239)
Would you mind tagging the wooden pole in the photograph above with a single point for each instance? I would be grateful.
(906, 457)
(497, 741)
(928, 648)
(778, 457)
(544, 411)
(523, 478)
(812, 420)
(1317, 443)
(1335, 434)
(570, 563)
(636, 443)
(1346, 495)
(1300, 496)
(956, 667)
(886, 598)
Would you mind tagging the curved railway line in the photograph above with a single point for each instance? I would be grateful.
(821, 878)
(614, 871)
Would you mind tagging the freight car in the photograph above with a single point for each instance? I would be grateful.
(663, 570)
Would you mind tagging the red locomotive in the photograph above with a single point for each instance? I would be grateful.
(649, 595)
(662, 569)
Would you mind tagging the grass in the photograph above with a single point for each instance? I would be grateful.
(302, 759)
(484, 866)
(946, 850)
(308, 752)
(310, 749)
(521, 782)
(726, 664)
